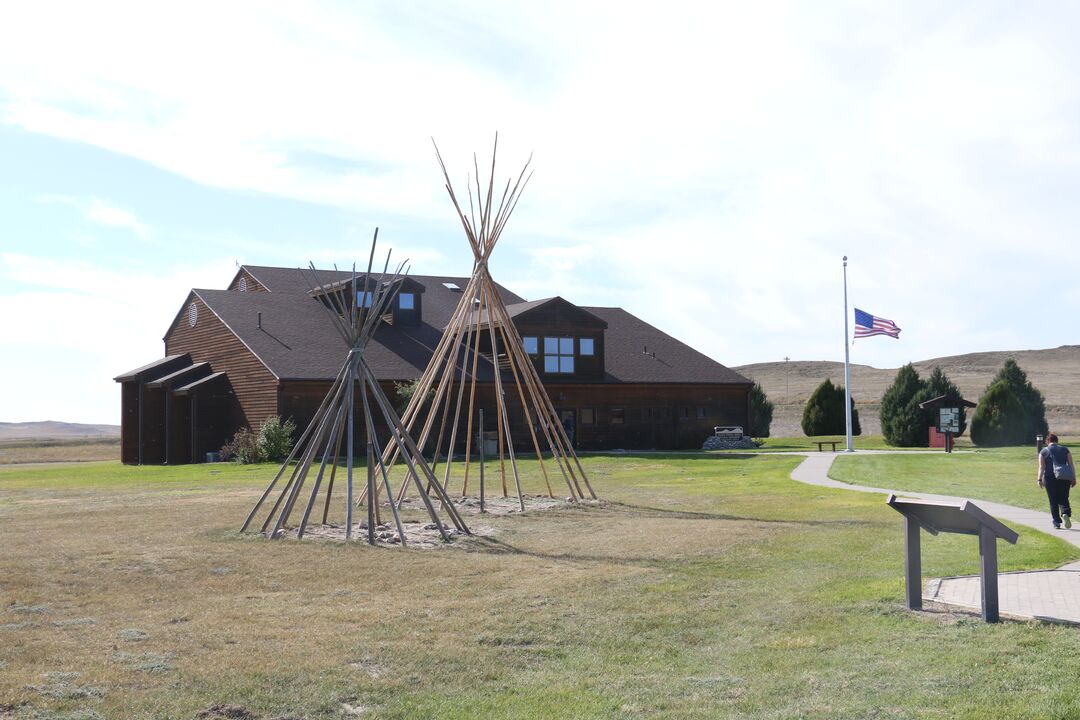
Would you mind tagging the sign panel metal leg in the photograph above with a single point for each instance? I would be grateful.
(989, 572)
(913, 563)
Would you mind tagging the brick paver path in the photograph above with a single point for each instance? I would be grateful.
(1044, 594)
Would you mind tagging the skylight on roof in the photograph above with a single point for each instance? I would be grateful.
(452, 287)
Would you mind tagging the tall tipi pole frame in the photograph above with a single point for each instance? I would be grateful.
(445, 396)
(356, 321)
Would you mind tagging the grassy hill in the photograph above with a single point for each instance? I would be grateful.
(53, 430)
(1054, 371)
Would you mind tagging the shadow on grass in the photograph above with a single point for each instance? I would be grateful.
(667, 513)
(685, 455)
(495, 546)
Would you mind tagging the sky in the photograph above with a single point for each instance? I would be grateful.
(704, 165)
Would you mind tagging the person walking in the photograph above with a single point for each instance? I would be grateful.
(1057, 474)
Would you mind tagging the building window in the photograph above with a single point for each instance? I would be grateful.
(363, 298)
(531, 345)
(588, 416)
(685, 412)
(618, 416)
(586, 346)
(558, 354)
(407, 301)
(702, 412)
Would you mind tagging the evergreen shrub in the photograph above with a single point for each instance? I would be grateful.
(824, 412)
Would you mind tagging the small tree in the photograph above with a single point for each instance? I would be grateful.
(1000, 418)
(1030, 398)
(275, 438)
(824, 412)
(761, 410)
(902, 421)
(404, 391)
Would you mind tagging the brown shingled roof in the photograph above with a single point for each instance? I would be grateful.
(298, 341)
(668, 360)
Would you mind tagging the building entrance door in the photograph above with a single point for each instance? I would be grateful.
(569, 423)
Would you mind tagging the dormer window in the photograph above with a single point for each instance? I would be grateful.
(586, 346)
(364, 298)
(558, 354)
(407, 301)
(532, 347)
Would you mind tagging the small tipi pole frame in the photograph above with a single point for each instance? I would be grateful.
(356, 313)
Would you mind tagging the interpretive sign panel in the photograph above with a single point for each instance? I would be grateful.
(949, 420)
(963, 517)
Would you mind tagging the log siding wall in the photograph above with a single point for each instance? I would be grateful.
(653, 416)
(210, 340)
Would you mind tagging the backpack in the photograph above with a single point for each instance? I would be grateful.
(1058, 456)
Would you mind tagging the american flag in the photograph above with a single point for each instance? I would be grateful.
(867, 325)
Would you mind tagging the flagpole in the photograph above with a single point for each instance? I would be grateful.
(847, 369)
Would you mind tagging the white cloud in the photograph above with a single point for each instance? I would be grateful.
(101, 212)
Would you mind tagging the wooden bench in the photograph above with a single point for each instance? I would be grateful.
(822, 443)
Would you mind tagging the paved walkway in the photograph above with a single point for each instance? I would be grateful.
(1042, 594)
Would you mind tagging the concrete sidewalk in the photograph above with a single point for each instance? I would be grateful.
(1052, 595)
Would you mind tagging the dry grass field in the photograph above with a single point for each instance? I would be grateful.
(50, 451)
(702, 587)
(1055, 371)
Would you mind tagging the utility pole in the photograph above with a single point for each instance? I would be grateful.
(787, 386)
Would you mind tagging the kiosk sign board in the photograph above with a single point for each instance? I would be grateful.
(949, 420)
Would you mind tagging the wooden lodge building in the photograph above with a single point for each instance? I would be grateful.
(265, 347)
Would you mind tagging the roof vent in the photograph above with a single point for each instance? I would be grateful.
(452, 287)
(243, 284)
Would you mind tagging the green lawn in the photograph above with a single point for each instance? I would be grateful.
(703, 587)
(1005, 475)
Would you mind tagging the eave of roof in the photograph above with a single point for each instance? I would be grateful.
(201, 382)
(176, 375)
(131, 375)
